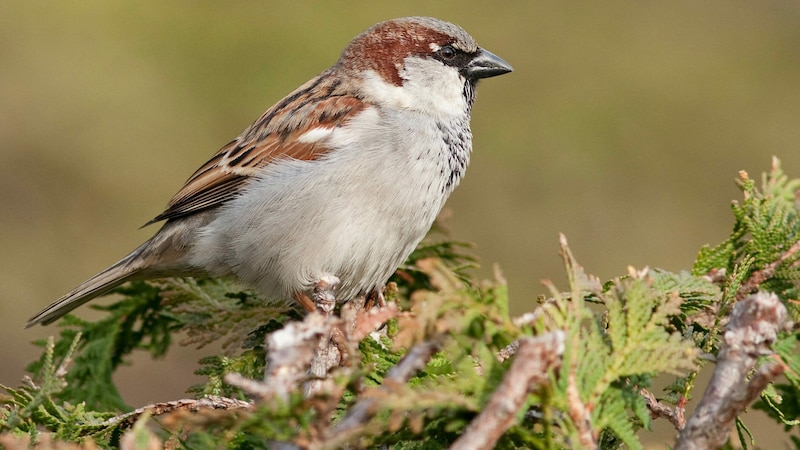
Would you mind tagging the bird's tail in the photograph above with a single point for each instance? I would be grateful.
(126, 269)
(162, 255)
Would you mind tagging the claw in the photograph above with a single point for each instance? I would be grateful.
(324, 293)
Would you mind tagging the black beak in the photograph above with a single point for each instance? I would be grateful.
(486, 64)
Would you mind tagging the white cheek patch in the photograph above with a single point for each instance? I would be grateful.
(315, 135)
(435, 87)
(428, 86)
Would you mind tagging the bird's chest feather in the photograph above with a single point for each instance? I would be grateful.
(357, 212)
(404, 164)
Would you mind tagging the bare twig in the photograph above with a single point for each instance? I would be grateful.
(190, 405)
(327, 354)
(303, 353)
(753, 327)
(341, 346)
(366, 321)
(581, 415)
(675, 414)
(366, 408)
(253, 388)
(508, 351)
(535, 356)
(291, 351)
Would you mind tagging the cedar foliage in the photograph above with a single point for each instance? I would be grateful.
(621, 334)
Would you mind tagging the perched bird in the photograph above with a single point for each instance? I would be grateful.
(343, 177)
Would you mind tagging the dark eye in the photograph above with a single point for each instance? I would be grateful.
(447, 52)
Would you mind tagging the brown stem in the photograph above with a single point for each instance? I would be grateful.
(366, 408)
(753, 327)
(535, 356)
(191, 405)
(675, 414)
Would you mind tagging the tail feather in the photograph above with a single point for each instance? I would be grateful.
(96, 286)
(160, 256)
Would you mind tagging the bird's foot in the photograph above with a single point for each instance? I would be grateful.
(375, 298)
(323, 296)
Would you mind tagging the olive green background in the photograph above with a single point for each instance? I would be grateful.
(623, 126)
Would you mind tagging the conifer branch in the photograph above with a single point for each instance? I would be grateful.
(291, 351)
(535, 357)
(508, 351)
(365, 409)
(581, 415)
(753, 328)
(596, 348)
(674, 414)
(759, 276)
(211, 402)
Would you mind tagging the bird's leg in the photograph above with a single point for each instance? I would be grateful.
(304, 301)
(323, 299)
(375, 298)
(324, 294)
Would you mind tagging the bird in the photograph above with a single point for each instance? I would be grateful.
(340, 180)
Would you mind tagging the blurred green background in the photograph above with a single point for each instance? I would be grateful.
(623, 126)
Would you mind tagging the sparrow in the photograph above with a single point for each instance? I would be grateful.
(339, 180)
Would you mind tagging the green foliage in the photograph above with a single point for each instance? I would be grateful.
(612, 354)
(767, 224)
(782, 401)
(135, 322)
(409, 277)
(762, 252)
(620, 336)
(31, 408)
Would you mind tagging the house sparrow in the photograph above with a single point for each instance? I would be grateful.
(339, 181)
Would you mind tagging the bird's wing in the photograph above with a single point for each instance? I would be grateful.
(285, 131)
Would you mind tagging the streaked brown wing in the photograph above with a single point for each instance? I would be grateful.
(274, 135)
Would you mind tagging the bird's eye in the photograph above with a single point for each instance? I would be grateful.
(447, 52)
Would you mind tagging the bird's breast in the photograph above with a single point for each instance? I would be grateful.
(357, 212)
